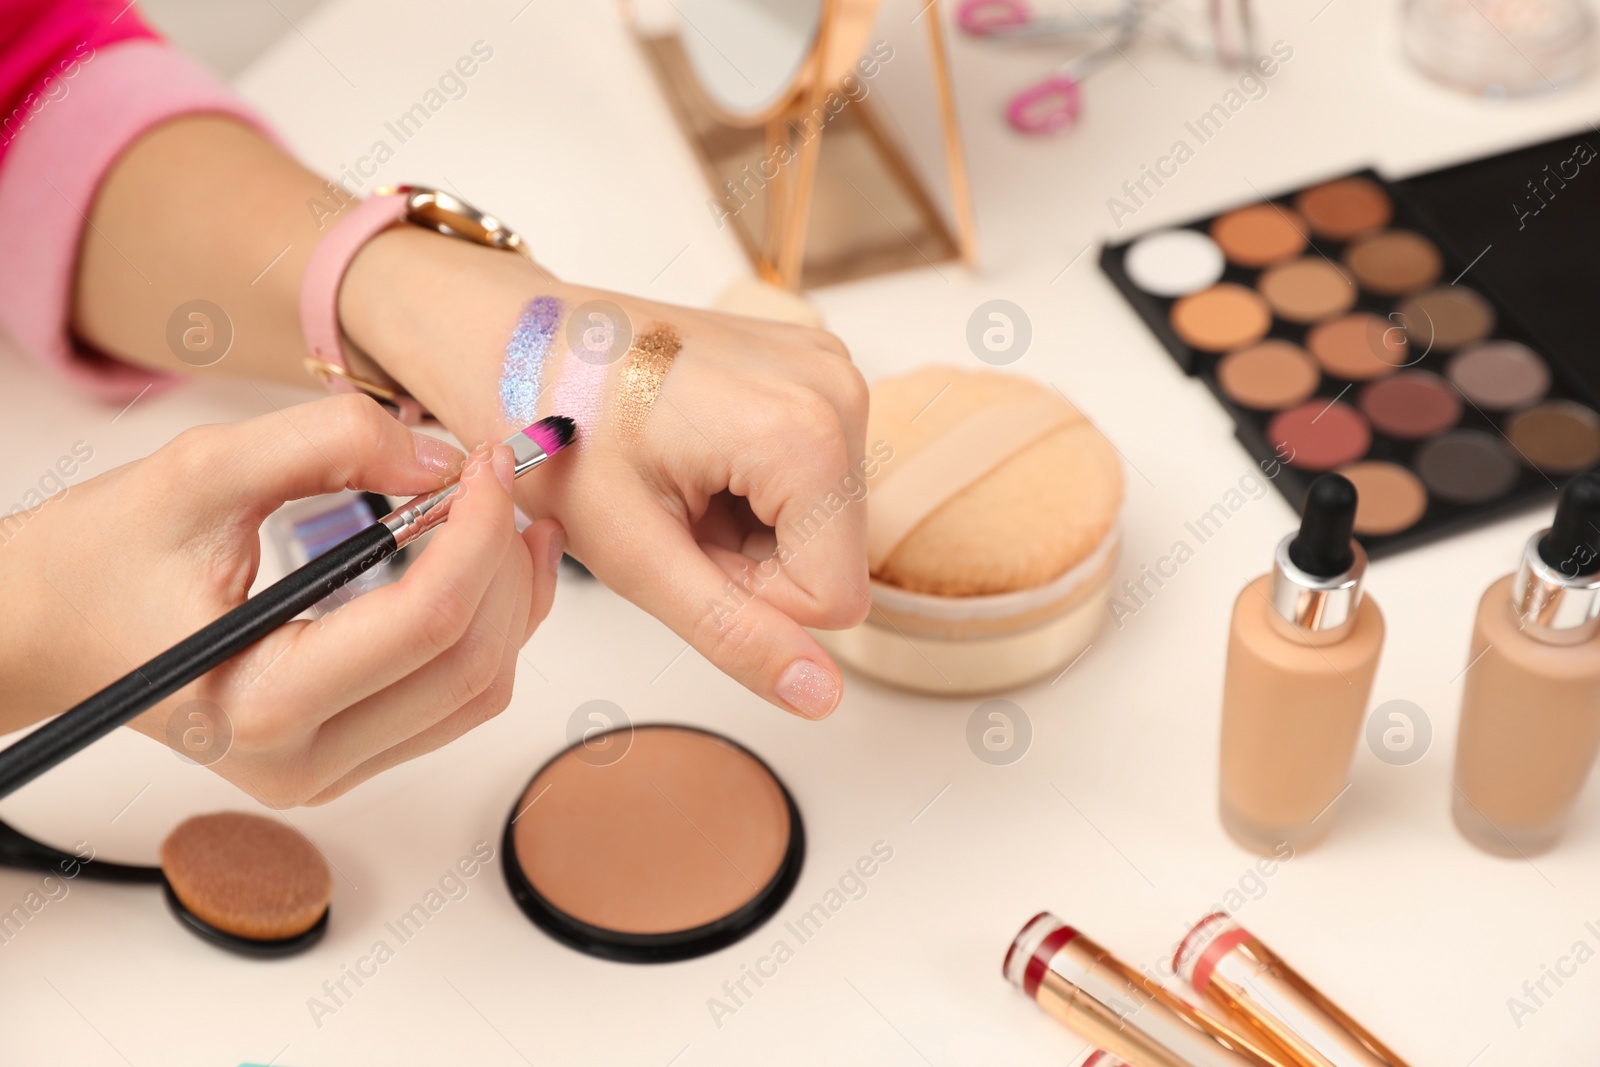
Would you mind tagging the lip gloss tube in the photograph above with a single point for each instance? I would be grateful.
(1253, 986)
(1116, 1008)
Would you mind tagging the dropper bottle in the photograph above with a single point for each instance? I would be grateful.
(1302, 651)
(1530, 708)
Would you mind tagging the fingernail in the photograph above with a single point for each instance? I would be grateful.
(809, 689)
(558, 546)
(440, 458)
(505, 465)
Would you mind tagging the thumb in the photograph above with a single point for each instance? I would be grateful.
(341, 442)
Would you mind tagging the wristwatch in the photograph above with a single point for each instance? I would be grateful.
(417, 205)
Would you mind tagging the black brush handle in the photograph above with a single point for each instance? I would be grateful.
(19, 850)
(187, 660)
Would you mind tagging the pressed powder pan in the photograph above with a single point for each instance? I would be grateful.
(248, 874)
(1345, 208)
(649, 844)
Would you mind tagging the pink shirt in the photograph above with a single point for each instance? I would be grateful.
(80, 80)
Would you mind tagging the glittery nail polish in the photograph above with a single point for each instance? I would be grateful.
(809, 689)
(437, 456)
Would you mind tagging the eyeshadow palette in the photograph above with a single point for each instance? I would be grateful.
(1342, 333)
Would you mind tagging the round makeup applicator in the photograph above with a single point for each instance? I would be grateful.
(247, 883)
(242, 882)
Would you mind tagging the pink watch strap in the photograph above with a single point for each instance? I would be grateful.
(319, 295)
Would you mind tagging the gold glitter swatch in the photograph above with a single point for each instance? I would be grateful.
(646, 368)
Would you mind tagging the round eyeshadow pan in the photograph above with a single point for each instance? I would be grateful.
(1222, 317)
(675, 844)
(1358, 347)
(1444, 319)
(1268, 376)
(1466, 467)
(1174, 262)
(1320, 436)
(1307, 290)
(1389, 497)
(1411, 405)
(1346, 208)
(1394, 263)
(1557, 437)
(1260, 235)
(1500, 375)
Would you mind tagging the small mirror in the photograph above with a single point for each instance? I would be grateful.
(749, 54)
(755, 84)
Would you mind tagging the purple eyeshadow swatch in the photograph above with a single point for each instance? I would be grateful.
(525, 356)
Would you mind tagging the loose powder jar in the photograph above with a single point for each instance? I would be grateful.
(993, 530)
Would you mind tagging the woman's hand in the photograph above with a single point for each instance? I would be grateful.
(759, 425)
(734, 516)
(121, 567)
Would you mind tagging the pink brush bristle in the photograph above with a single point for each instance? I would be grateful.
(552, 433)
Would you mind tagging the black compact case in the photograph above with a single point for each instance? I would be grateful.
(1520, 230)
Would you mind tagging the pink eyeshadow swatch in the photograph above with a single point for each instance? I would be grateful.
(577, 394)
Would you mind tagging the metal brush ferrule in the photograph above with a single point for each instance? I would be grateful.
(527, 453)
(1553, 607)
(417, 516)
(1307, 602)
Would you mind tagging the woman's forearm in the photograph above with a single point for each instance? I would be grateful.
(201, 208)
(205, 208)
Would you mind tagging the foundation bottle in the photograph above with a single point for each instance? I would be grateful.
(1530, 709)
(1302, 650)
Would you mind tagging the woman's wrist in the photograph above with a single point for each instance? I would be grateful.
(433, 313)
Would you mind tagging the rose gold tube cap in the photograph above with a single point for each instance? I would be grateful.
(1204, 946)
(1099, 1058)
(1030, 953)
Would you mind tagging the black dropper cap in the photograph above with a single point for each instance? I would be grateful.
(1322, 547)
(1572, 546)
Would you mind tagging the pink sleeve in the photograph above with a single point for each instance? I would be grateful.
(42, 45)
(48, 180)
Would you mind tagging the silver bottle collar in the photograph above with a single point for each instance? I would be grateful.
(1316, 604)
(1554, 607)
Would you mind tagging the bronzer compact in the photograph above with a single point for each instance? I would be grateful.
(1428, 343)
(648, 844)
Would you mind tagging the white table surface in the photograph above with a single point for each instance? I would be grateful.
(1107, 820)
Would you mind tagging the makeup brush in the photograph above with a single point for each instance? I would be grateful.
(245, 883)
(254, 619)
